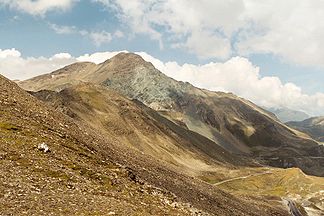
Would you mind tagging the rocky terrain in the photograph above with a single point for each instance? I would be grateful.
(314, 127)
(231, 122)
(53, 164)
(143, 129)
(73, 176)
(140, 127)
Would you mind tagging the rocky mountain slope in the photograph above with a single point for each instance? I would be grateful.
(143, 129)
(73, 177)
(233, 123)
(132, 123)
(314, 127)
(85, 172)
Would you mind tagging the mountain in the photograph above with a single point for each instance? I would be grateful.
(166, 148)
(55, 164)
(139, 127)
(314, 127)
(231, 122)
(75, 176)
(286, 115)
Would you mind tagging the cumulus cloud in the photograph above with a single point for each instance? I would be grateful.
(14, 66)
(237, 75)
(98, 57)
(37, 7)
(291, 29)
(294, 31)
(9, 53)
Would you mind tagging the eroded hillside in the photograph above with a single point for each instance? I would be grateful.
(143, 129)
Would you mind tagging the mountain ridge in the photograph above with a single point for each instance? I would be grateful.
(233, 123)
(133, 117)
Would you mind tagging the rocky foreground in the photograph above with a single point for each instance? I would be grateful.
(85, 173)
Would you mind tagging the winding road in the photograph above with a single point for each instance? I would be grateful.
(293, 208)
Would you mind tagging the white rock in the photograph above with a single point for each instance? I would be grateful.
(43, 147)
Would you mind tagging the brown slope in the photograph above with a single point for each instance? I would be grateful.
(74, 178)
(142, 128)
(80, 175)
(234, 123)
(77, 71)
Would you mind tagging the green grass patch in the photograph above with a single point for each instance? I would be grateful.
(8, 126)
(52, 173)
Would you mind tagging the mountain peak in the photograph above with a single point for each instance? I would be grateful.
(127, 59)
(128, 56)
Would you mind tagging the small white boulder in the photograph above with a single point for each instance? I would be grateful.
(43, 147)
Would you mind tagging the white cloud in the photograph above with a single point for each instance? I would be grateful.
(98, 57)
(292, 29)
(14, 66)
(62, 56)
(100, 37)
(61, 29)
(37, 7)
(97, 37)
(237, 75)
(119, 34)
(207, 45)
(9, 53)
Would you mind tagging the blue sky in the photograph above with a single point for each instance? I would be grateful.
(284, 43)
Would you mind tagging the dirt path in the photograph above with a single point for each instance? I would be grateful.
(242, 177)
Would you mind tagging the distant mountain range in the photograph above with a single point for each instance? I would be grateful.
(286, 115)
(314, 127)
(125, 139)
